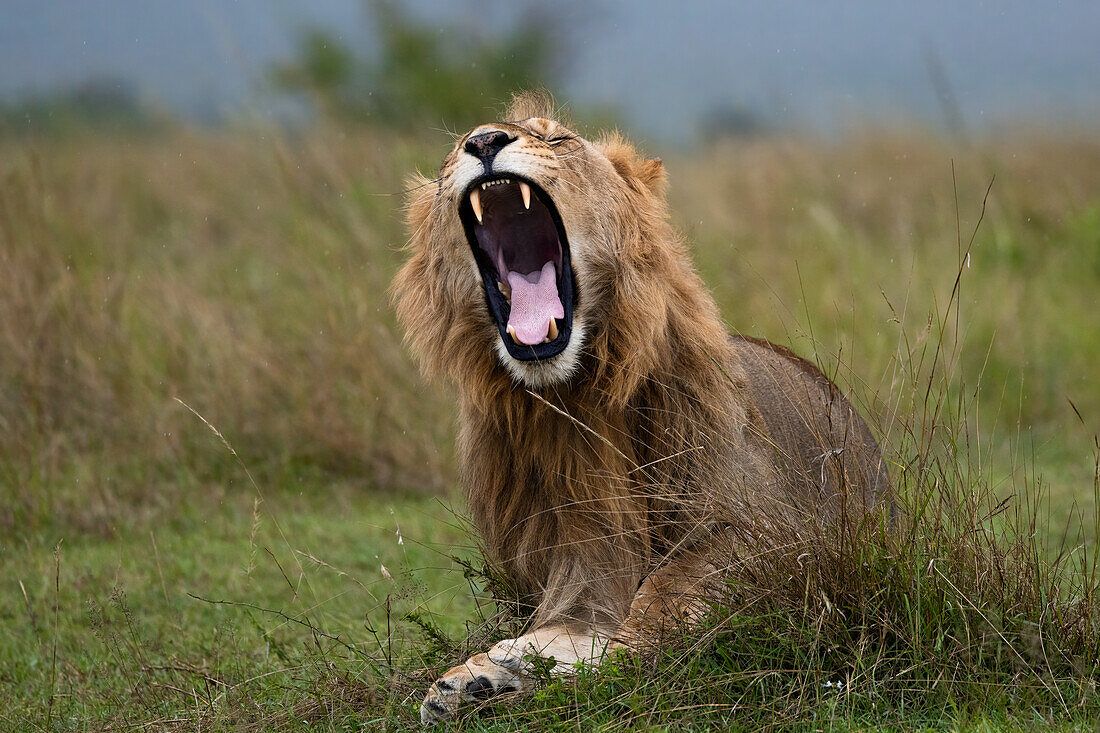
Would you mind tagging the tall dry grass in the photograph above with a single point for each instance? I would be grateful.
(245, 274)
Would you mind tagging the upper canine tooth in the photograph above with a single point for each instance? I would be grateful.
(526, 191)
(475, 204)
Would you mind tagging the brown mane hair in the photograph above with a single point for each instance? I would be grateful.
(535, 103)
(581, 489)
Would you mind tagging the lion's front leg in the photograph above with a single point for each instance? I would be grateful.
(676, 596)
(509, 667)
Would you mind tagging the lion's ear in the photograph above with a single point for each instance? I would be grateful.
(652, 174)
(648, 174)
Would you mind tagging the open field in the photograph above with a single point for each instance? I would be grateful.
(243, 276)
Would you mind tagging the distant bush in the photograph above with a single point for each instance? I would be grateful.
(98, 104)
(422, 73)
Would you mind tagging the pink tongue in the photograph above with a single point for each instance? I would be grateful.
(534, 302)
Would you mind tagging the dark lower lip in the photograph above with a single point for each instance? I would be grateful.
(494, 299)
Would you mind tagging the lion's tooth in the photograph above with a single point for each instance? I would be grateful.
(553, 329)
(526, 191)
(475, 204)
(512, 333)
(505, 290)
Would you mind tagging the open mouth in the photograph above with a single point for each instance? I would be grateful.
(521, 250)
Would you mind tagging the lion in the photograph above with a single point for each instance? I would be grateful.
(615, 440)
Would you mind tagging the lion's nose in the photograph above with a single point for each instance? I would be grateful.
(487, 144)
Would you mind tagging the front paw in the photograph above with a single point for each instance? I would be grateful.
(475, 681)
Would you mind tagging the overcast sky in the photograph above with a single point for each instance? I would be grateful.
(814, 64)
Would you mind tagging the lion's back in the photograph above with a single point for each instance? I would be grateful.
(825, 452)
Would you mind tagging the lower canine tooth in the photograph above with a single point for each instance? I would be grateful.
(512, 333)
(526, 191)
(553, 330)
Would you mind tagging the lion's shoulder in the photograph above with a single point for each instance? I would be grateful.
(748, 344)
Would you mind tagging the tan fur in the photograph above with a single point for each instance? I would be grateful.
(665, 428)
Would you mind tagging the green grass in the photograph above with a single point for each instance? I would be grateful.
(167, 626)
(170, 621)
(245, 275)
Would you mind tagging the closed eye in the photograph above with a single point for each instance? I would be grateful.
(560, 137)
